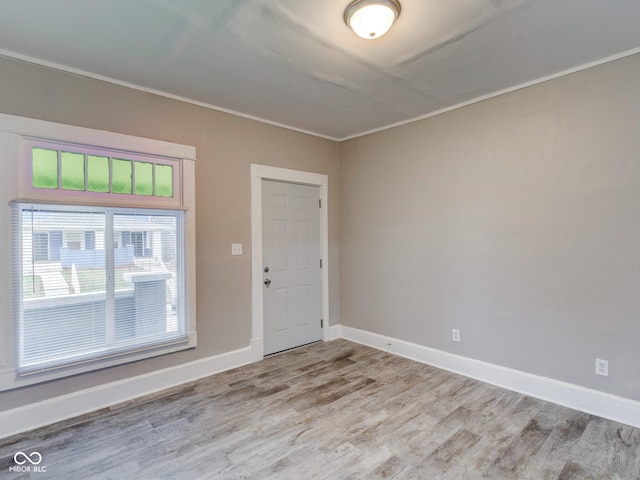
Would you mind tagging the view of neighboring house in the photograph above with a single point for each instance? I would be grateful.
(65, 267)
(53, 237)
(58, 241)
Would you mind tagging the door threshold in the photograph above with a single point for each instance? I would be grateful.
(292, 348)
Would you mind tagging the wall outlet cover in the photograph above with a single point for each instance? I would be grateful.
(455, 335)
(602, 367)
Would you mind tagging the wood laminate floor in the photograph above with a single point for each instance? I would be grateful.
(334, 410)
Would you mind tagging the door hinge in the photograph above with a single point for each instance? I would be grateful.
(320, 263)
(320, 202)
(321, 323)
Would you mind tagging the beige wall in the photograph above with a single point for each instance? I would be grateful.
(226, 145)
(516, 220)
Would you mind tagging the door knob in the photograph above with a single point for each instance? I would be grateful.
(267, 282)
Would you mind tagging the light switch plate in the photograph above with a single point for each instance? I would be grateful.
(236, 249)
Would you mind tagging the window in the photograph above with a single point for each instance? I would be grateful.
(100, 300)
(90, 240)
(73, 296)
(88, 172)
(140, 241)
(40, 249)
(55, 243)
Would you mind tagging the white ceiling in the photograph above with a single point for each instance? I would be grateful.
(295, 62)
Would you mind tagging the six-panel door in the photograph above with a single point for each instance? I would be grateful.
(291, 270)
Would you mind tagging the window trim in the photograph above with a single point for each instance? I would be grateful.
(15, 132)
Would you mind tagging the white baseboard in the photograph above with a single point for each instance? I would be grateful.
(60, 408)
(335, 331)
(612, 407)
(257, 349)
(28, 417)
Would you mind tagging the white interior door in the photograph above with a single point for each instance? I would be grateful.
(291, 268)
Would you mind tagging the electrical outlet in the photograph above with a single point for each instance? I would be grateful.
(236, 249)
(602, 367)
(455, 335)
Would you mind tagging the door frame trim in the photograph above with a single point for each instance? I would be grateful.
(265, 172)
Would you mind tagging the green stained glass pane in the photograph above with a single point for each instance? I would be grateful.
(144, 178)
(72, 171)
(98, 173)
(121, 176)
(44, 167)
(164, 180)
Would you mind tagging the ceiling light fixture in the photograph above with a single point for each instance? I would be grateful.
(371, 18)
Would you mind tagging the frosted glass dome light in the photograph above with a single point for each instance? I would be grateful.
(371, 18)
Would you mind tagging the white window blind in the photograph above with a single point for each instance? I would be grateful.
(94, 282)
